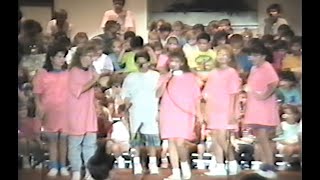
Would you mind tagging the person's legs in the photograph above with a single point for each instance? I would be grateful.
(183, 153)
(63, 149)
(74, 155)
(174, 160)
(201, 151)
(164, 151)
(53, 138)
(263, 135)
(89, 147)
(152, 143)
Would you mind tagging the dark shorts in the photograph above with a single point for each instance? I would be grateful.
(147, 140)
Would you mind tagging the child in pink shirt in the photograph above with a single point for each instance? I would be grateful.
(262, 114)
(220, 93)
(82, 118)
(50, 85)
(172, 45)
(180, 104)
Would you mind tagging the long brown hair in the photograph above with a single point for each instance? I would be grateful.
(82, 50)
(232, 63)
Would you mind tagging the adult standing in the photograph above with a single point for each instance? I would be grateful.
(124, 17)
(274, 19)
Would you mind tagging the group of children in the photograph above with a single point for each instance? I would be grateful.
(227, 94)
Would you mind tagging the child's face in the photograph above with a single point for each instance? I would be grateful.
(58, 60)
(203, 45)
(289, 116)
(172, 45)
(116, 47)
(223, 57)
(158, 51)
(143, 63)
(175, 63)
(153, 39)
(192, 41)
(87, 59)
(177, 30)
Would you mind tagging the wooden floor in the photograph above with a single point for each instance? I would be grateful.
(127, 175)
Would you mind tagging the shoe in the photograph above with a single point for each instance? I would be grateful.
(219, 170)
(201, 165)
(137, 169)
(153, 169)
(26, 163)
(64, 171)
(121, 163)
(53, 172)
(234, 168)
(76, 175)
(267, 171)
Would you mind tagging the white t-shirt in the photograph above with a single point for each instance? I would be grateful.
(141, 89)
(290, 133)
(120, 133)
(70, 54)
(189, 50)
(103, 63)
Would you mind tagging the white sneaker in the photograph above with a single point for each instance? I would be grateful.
(153, 169)
(64, 171)
(186, 171)
(256, 165)
(173, 177)
(121, 162)
(137, 169)
(53, 172)
(76, 175)
(26, 163)
(219, 170)
(267, 174)
(234, 168)
(201, 165)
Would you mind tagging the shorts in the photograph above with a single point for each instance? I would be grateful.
(147, 140)
(55, 136)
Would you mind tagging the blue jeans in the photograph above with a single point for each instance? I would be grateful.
(85, 144)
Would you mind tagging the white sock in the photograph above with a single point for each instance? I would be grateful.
(164, 160)
(121, 163)
(233, 163)
(176, 172)
(152, 160)
(185, 166)
(136, 160)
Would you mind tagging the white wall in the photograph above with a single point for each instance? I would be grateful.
(86, 15)
(41, 14)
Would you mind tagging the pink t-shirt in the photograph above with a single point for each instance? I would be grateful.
(221, 84)
(262, 112)
(51, 87)
(128, 23)
(163, 61)
(178, 107)
(82, 117)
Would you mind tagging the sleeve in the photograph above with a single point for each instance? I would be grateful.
(270, 75)
(298, 97)
(38, 82)
(105, 18)
(75, 84)
(130, 21)
(69, 56)
(49, 27)
(126, 88)
(108, 65)
(162, 61)
(234, 82)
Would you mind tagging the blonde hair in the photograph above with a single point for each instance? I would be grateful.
(228, 48)
(191, 34)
